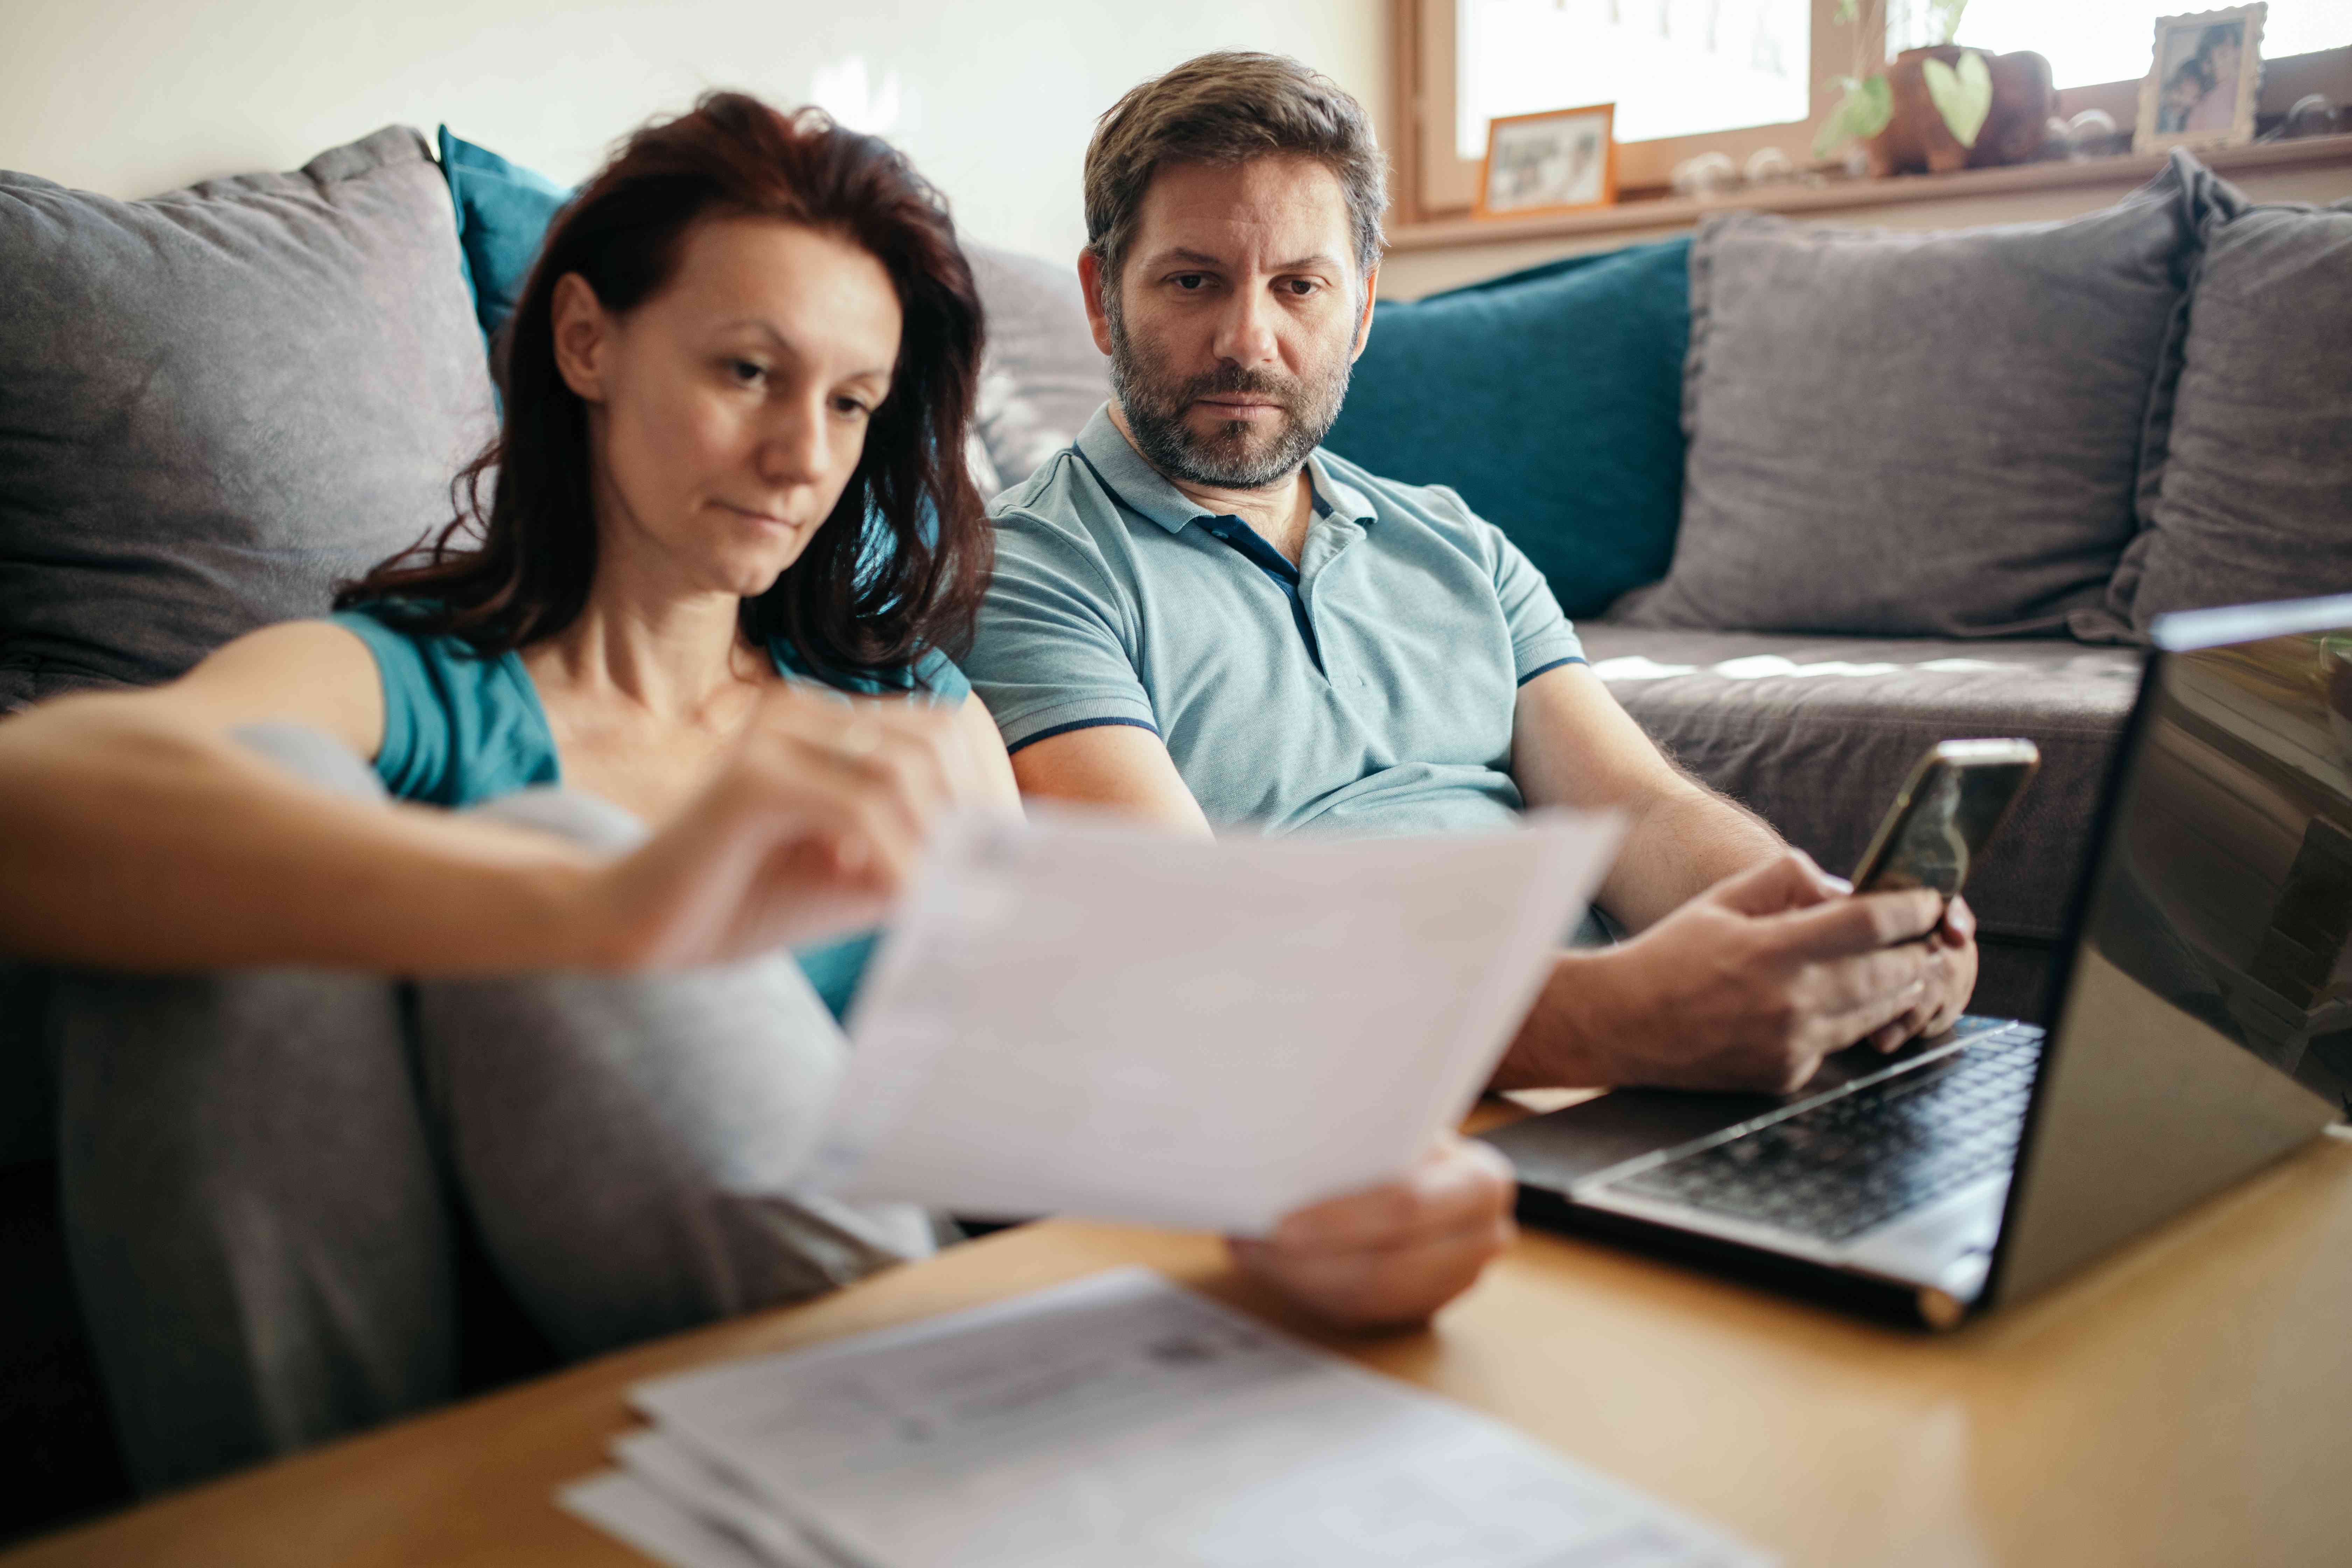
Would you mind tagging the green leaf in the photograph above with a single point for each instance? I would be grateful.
(1963, 97)
(1848, 10)
(1943, 20)
(1862, 114)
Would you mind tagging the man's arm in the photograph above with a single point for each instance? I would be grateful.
(1764, 1019)
(1121, 766)
(1573, 745)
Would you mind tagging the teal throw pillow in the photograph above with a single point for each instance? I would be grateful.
(503, 211)
(1551, 399)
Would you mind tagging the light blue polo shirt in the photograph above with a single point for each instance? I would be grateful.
(1370, 689)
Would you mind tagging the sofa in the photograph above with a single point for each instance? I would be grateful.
(215, 402)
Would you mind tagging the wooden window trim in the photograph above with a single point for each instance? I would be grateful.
(1435, 181)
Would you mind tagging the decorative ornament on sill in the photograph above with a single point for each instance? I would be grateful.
(2093, 134)
(1941, 107)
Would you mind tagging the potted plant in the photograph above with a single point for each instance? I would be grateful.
(1940, 108)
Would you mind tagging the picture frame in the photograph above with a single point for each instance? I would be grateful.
(2204, 80)
(1559, 160)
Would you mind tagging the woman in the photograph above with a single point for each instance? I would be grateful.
(671, 698)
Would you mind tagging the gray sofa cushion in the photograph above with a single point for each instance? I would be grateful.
(1929, 434)
(2254, 501)
(1044, 377)
(214, 402)
(1815, 734)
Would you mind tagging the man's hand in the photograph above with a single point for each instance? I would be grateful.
(1747, 987)
(1392, 1256)
(1941, 1007)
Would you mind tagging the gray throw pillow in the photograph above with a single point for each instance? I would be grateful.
(216, 402)
(2254, 501)
(1934, 434)
(1043, 378)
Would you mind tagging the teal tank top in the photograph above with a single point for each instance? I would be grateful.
(460, 729)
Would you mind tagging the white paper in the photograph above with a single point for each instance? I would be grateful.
(693, 1485)
(1071, 1015)
(1123, 1420)
(622, 1505)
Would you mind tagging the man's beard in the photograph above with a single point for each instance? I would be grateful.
(1235, 455)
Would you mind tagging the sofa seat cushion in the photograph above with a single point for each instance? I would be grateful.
(1816, 734)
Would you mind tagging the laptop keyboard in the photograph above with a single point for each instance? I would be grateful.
(1835, 1170)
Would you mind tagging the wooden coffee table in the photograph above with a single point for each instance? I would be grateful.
(2187, 1401)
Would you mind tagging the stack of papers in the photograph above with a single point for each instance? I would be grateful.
(1074, 1016)
(1118, 1420)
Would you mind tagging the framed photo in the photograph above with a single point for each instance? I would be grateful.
(1564, 160)
(2200, 90)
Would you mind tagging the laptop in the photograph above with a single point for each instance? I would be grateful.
(2203, 1029)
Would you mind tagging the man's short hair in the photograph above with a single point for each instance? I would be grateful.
(1228, 108)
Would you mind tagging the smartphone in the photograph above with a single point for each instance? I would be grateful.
(1944, 815)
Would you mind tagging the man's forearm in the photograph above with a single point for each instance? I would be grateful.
(1563, 1042)
(1678, 845)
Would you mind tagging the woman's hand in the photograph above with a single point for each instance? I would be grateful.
(810, 831)
(1392, 1256)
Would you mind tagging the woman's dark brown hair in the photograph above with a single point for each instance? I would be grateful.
(899, 564)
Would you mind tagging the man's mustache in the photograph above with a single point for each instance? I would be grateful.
(1233, 380)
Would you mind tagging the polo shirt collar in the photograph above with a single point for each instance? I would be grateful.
(1339, 498)
(1145, 490)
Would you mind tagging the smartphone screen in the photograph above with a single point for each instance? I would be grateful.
(1946, 815)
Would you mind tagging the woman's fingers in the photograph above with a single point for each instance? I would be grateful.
(881, 768)
(820, 817)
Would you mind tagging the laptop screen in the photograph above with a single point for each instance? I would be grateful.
(2206, 1025)
(2227, 888)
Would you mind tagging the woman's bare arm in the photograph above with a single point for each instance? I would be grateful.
(135, 833)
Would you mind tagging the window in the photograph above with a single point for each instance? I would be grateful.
(1688, 75)
(2088, 41)
(1674, 68)
(1730, 76)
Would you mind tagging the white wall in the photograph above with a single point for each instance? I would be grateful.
(994, 98)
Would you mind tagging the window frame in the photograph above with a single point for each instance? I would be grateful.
(1434, 179)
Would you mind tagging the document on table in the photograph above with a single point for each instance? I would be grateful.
(1071, 1015)
(1116, 1420)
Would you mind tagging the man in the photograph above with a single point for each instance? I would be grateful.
(1198, 616)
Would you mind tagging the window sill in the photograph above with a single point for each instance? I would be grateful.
(1644, 215)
